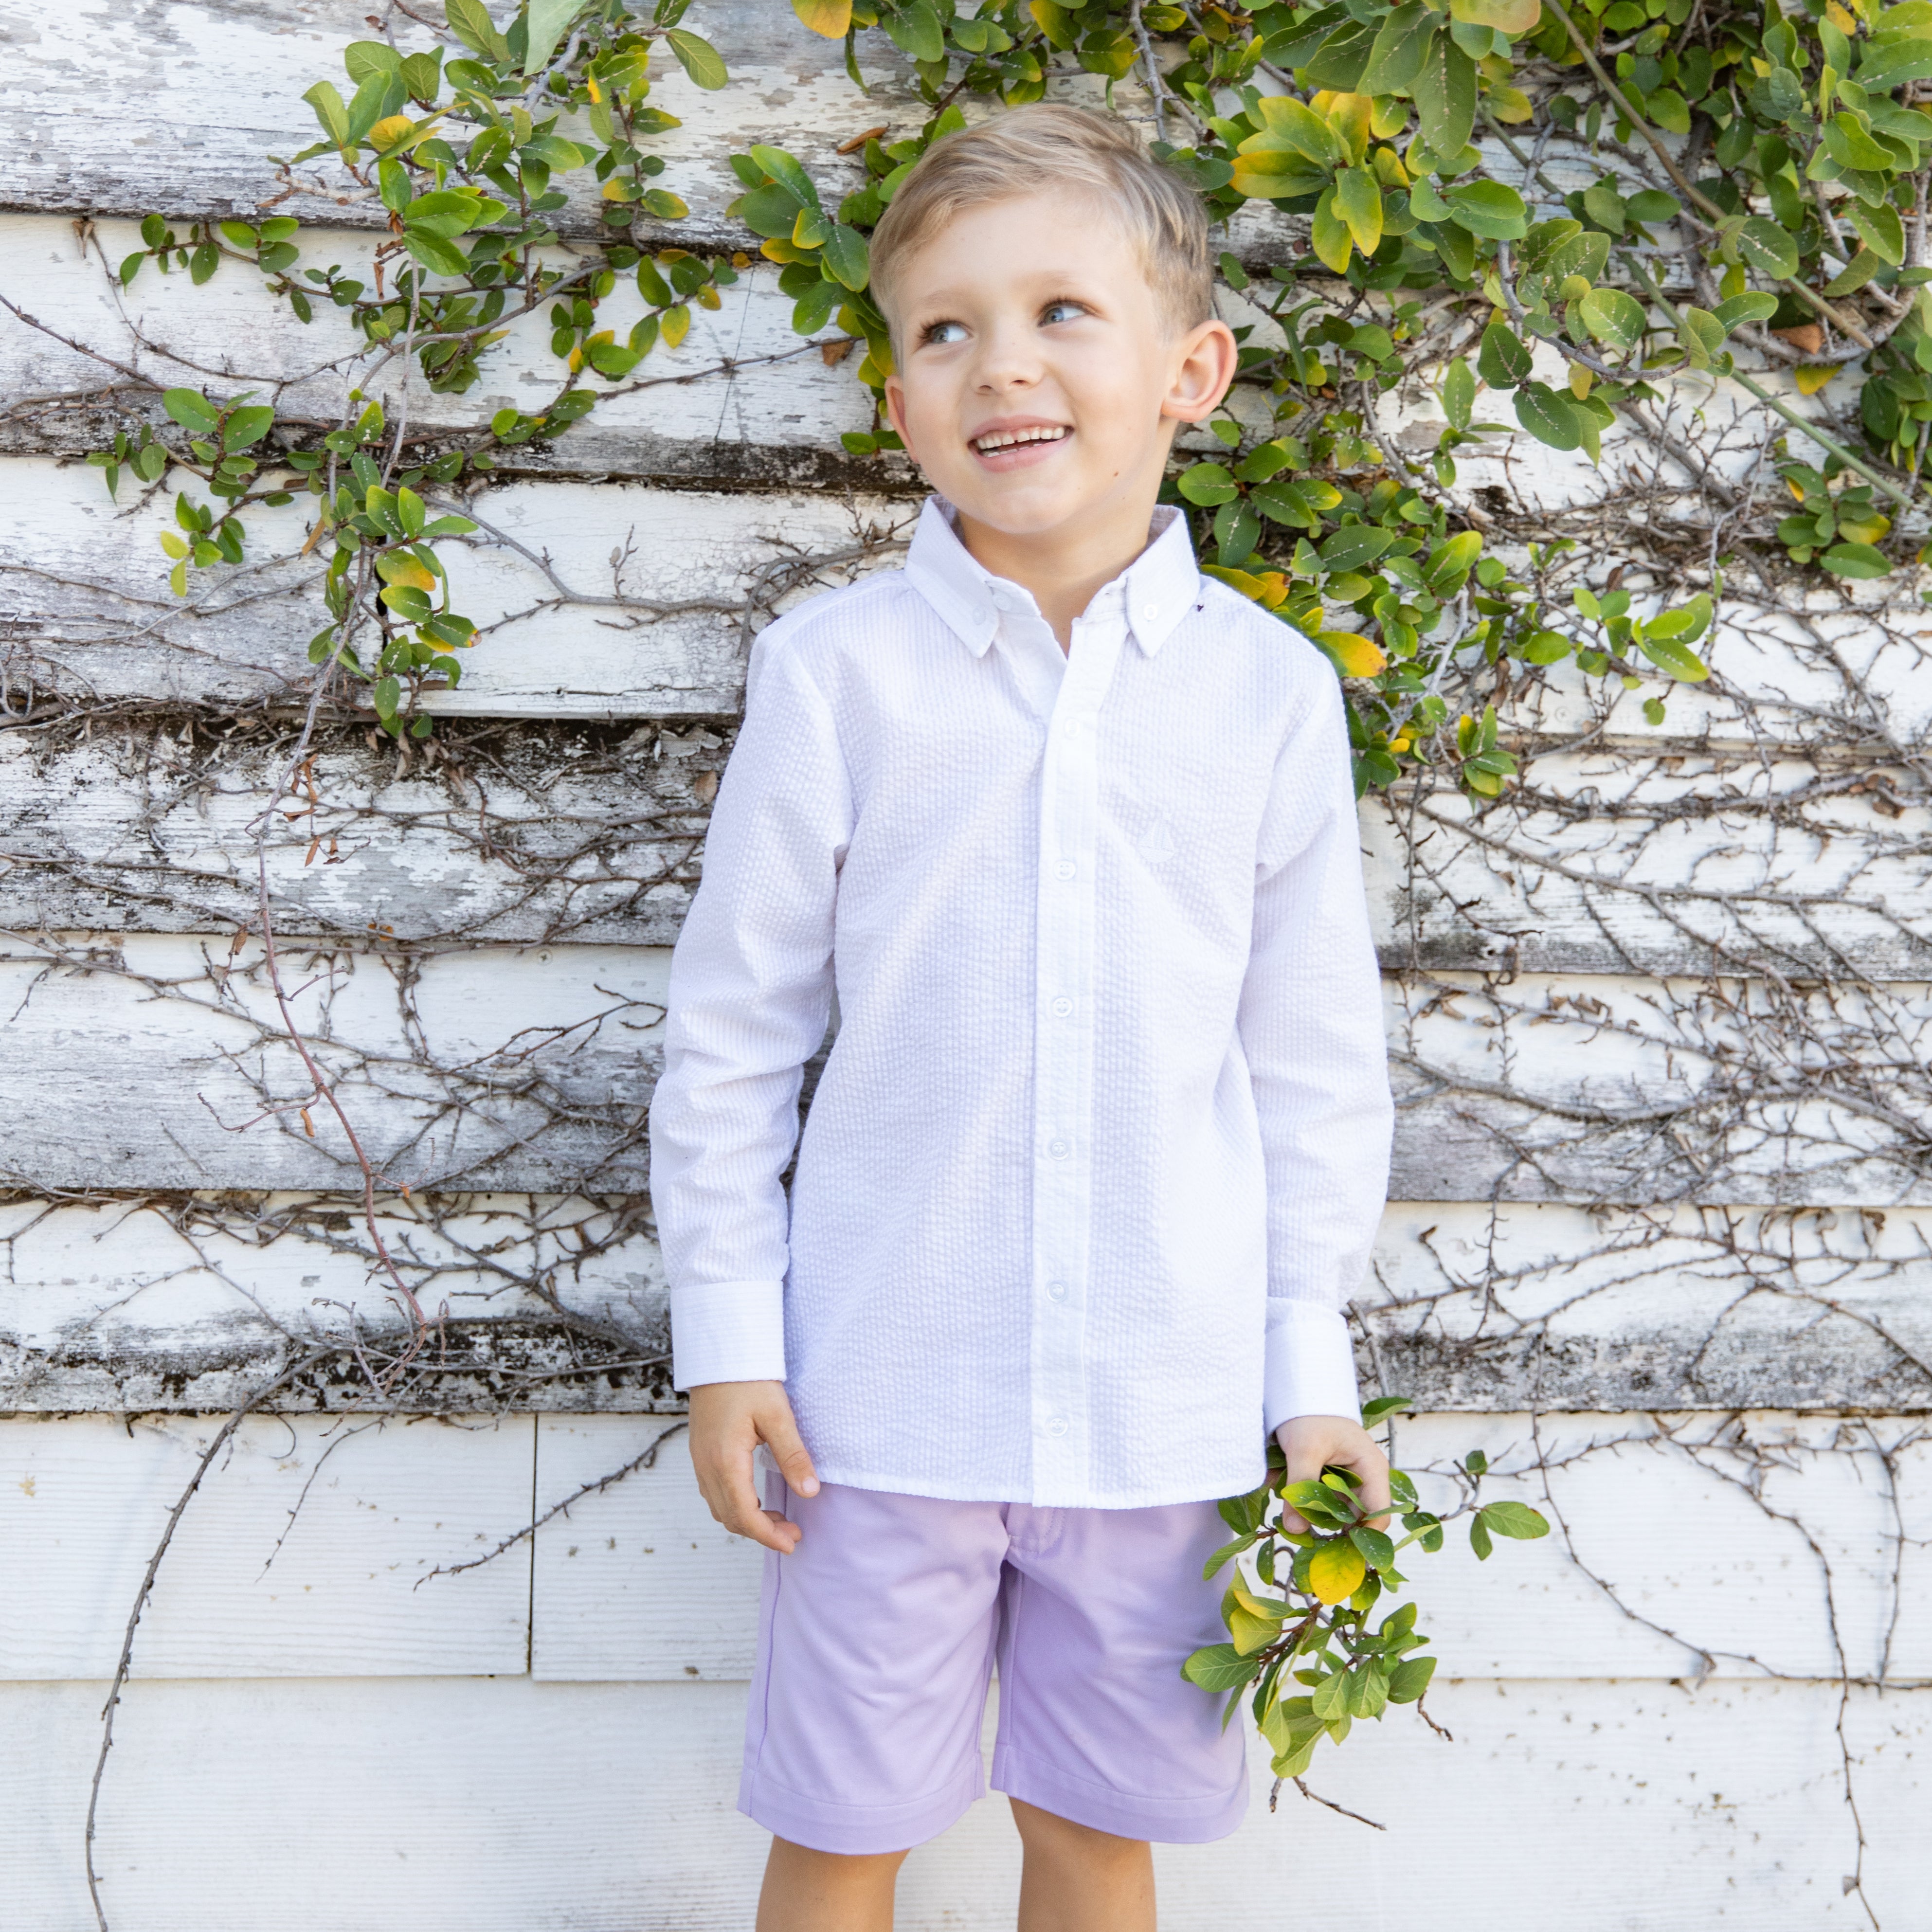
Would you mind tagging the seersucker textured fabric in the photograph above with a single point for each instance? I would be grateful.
(1099, 1149)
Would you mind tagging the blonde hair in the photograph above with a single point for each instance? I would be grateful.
(1050, 145)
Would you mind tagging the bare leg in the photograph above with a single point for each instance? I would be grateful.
(1076, 1880)
(826, 1891)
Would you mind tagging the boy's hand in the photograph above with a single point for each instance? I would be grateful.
(1311, 1442)
(728, 1420)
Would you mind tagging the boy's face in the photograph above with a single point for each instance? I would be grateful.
(1039, 382)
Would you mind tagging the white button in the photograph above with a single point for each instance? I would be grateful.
(1067, 869)
(1071, 729)
(1056, 1290)
(1147, 610)
(1062, 1006)
(1056, 1425)
(1060, 1149)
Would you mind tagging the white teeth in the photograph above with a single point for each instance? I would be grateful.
(1006, 438)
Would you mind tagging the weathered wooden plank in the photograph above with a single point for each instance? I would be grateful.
(1627, 1089)
(494, 1806)
(1720, 1307)
(607, 600)
(195, 1303)
(743, 399)
(587, 832)
(1613, 861)
(190, 1304)
(299, 1557)
(636, 1583)
(524, 1067)
(639, 1583)
(1597, 863)
(213, 90)
(533, 1065)
(628, 601)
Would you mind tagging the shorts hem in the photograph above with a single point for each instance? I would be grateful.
(1164, 1821)
(856, 1830)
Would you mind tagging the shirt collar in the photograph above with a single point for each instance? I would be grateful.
(1159, 588)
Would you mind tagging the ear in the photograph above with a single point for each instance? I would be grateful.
(1204, 361)
(895, 412)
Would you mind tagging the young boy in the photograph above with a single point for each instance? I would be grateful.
(1103, 1137)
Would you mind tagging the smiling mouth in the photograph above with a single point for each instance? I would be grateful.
(1014, 439)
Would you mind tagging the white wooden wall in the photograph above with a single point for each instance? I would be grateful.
(1702, 1346)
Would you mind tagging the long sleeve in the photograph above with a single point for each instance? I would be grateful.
(751, 993)
(1311, 1025)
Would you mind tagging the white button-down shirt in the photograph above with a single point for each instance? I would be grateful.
(1101, 1143)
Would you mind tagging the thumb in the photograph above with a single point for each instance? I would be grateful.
(793, 1458)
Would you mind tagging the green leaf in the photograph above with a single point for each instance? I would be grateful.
(698, 58)
(1879, 228)
(1856, 560)
(1651, 204)
(1358, 201)
(1479, 1538)
(1331, 1695)
(1754, 305)
(1220, 1666)
(1690, 620)
(1348, 549)
(440, 257)
(469, 21)
(1227, 1552)
(1504, 359)
(1701, 335)
(1547, 416)
(1459, 393)
(330, 110)
(1490, 209)
(1615, 318)
(1399, 50)
(1449, 566)
(1516, 1519)
(1206, 484)
(544, 26)
(361, 59)
(1376, 1548)
(1390, 1405)
(1410, 1679)
(1297, 125)
(1674, 659)
(1763, 245)
(246, 428)
(1445, 97)
(192, 410)
(845, 254)
(1328, 235)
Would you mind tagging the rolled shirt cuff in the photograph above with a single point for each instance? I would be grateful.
(729, 1331)
(1309, 1363)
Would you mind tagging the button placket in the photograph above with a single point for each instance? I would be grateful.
(1063, 1061)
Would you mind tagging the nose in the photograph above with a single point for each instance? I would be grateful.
(1009, 359)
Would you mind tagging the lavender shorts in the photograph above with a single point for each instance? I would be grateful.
(878, 1636)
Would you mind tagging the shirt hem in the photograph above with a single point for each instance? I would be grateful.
(1196, 1490)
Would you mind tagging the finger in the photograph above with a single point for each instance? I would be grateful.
(788, 1446)
(741, 1515)
(1371, 1465)
(1304, 1465)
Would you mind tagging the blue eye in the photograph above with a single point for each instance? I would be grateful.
(1060, 311)
(945, 332)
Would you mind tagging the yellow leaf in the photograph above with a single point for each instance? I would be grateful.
(783, 251)
(673, 324)
(1839, 18)
(708, 296)
(1810, 379)
(1507, 16)
(175, 546)
(1580, 379)
(386, 133)
(1390, 117)
(1329, 236)
(1510, 104)
(177, 579)
(832, 18)
(1336, 1571)
(1354, 655)
(1350, 116)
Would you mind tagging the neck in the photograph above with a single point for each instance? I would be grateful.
(1062, 568)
